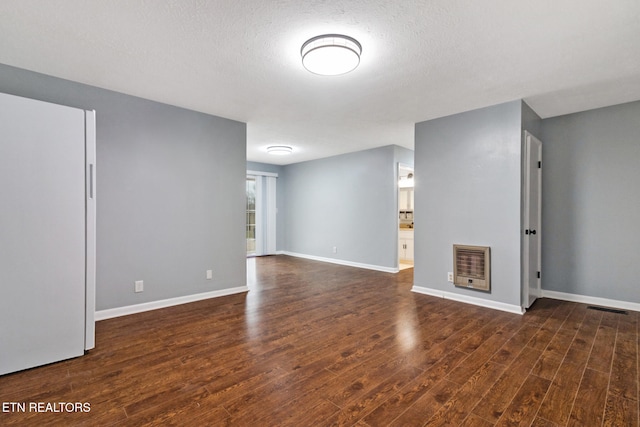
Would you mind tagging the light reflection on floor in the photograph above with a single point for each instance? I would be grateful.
(253, 300)
(251, 272)
(408, 327)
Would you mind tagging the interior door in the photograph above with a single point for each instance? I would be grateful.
(532, 227)
(42, 233)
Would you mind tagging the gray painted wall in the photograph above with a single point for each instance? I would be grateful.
(265, 167)
(468, 186)
(591, 203)
(403, 155)
(348, 201)
(531, 121)
(280, 199)
(171, 190)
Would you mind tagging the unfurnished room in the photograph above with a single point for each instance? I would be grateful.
(355, 213)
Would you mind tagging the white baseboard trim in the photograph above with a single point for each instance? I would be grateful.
(603, 302)
(154, 305)
(510, 308)
(343, 262)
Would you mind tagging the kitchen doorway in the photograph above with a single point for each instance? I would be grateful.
(405, 216)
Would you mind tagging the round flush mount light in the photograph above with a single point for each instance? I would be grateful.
(331, 54)
(279, 150)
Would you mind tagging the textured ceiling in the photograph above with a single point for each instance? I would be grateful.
(240, 59)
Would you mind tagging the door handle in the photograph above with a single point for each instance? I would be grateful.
(533, 231)
(529, 231)
(91, 180)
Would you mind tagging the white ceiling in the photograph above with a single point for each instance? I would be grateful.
(240, 59)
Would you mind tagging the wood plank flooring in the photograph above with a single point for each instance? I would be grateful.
(315, 344)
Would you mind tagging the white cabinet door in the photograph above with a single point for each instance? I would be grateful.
(405, 249)
(408, 249)
(42, 233)
(404, 199)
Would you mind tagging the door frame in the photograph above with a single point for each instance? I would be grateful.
(400, 166)
(531, 291)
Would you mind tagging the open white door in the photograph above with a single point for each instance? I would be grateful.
(47, 241)
(532, 229)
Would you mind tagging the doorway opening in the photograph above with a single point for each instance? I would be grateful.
(405, 216)
(251, 216)
(261, 213)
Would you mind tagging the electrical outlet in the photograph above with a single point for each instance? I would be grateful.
(139, 286)
(209, 274)
(335, 249)
(450, 277)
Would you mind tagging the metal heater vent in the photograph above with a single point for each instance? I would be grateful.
(472, 267)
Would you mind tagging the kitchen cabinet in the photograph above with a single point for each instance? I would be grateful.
(406, 199)
(405, 245)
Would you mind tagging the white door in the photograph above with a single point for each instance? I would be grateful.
(42, 233)
(532, 220)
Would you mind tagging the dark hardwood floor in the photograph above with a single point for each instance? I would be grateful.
(315, 344)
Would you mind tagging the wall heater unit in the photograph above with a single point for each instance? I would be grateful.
(472, 267)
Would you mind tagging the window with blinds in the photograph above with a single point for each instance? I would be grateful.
(471, 267)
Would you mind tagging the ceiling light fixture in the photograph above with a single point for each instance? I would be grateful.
(331, 54)
(279, 150)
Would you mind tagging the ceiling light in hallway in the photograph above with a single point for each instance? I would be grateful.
(279, 150)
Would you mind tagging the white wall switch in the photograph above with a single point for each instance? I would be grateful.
(139, 285)
(209, 274)
(450, 277)
(335, 249)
